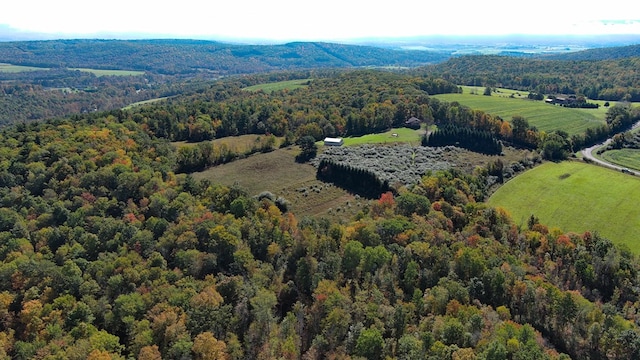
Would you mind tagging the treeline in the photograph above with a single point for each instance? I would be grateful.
(465, 137)
(339, 104)
(106, 252)
(37, 95)
(353, 178)
(612, 80)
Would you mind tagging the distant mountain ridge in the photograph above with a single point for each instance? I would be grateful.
(168, 56)
(607, 53)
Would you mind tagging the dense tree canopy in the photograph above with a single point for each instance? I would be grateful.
(106, 252)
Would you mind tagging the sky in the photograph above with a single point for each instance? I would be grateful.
(291, 20)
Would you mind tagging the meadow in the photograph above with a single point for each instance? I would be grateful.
(149, 101)
(102, 72)
(577, 197)
(397, 135)
(629, 158)
(9, 68)
(280, 85)
(543, 116)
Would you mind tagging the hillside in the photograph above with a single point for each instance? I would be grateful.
(605, 53)
(193, 56)
(611, 80)
(107, 253)
(111, 246)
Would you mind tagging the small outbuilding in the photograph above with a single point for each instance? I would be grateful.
(333, 141)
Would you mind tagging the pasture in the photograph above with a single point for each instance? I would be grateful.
(280, 85)
(545, 117)
(576, 197)
(144, 102)
(101, 72)
(238, 144)
(629, 158)
(402, 135)
(9, 68)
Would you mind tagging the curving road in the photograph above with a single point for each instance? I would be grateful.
(588, 154)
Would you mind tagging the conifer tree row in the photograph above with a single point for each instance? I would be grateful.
(466, 137)
(362, 181)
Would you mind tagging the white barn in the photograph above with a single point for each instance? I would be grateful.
(333, 141)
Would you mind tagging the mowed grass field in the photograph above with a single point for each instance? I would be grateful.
(543, 116)
(98, 72)
(9, 68)
(239, 143)
(280, 85)
(577, 197)
(399, 135)
(101, 72)
(629, 158)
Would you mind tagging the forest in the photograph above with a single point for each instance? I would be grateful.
(111, 250)
(608, 79)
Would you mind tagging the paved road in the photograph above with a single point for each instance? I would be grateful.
(588, 154)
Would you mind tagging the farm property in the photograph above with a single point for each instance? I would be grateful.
(600, 199)
(543, 116)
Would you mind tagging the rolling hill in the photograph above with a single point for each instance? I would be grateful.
(192, 56)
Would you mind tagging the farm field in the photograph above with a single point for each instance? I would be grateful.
(629, 158)
(403, 135)
(543, 116)
(501, 92)
(578, 197)
(143, 102)
(9, 68)
(101, 72)
(238, 144)
(280, 85)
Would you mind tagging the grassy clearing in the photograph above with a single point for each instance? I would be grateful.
(9, 68)
(239, 144)
(280, 85)
(543, 116)
(629, 158)
(577, 197)
(500, 92)
(403, 135)
(100, 72)
(278, 173)
(143, 102)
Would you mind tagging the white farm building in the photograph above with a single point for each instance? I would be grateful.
(333, 141)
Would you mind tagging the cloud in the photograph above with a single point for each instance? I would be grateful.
(316, 20)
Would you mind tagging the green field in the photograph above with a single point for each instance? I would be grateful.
(100, 72)
(143, 102)
(543, 116)
(501, 92)
(403, 135)
(578, 197)
(629, 158)
(280, 85)
(9, 68)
